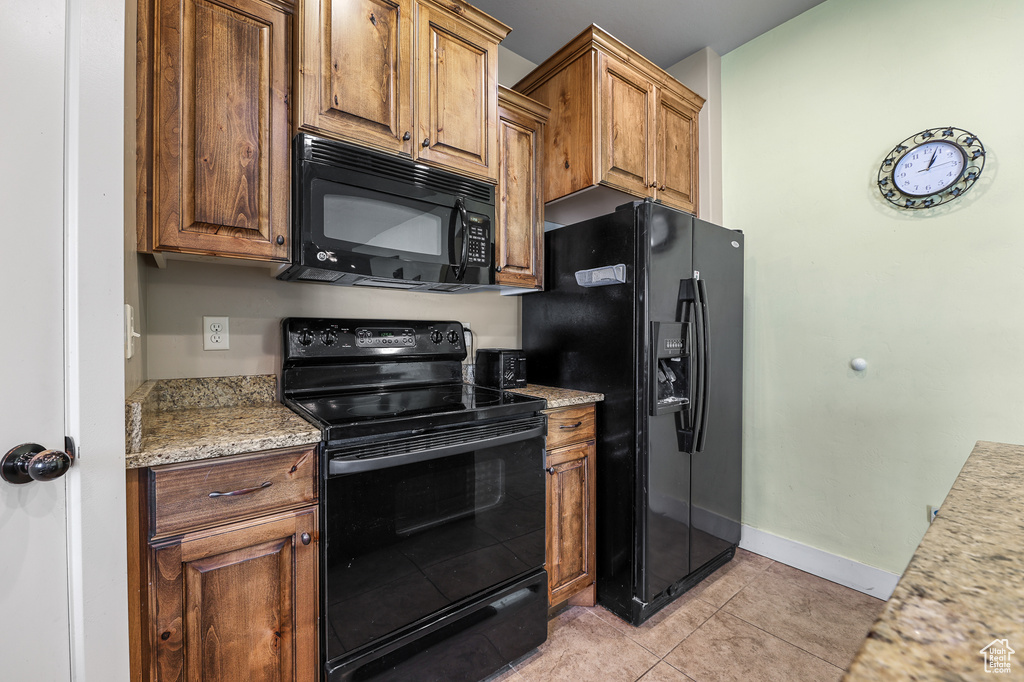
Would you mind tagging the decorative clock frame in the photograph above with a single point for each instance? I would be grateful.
(967, 143)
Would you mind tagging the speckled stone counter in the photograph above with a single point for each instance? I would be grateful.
(964, 587)
(560, 397)
(180, 420)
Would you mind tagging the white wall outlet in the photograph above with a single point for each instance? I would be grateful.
(215, 333)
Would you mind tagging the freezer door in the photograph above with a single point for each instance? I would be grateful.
(716, 468)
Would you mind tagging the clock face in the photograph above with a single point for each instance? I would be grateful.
(929, 168)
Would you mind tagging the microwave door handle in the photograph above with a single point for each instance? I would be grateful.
(464, 219)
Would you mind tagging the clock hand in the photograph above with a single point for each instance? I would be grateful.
(934, 153)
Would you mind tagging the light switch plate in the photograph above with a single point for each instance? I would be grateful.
(215, 333)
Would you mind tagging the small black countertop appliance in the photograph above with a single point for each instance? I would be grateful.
(502, 368)
(645, 305)
(431, 502)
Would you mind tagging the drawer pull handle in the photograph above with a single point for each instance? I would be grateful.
(243, 491)
(571, 426)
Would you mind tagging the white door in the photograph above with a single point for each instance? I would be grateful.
(63, 577)
(34, 628)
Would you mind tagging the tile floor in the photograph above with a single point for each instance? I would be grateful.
(754, 619)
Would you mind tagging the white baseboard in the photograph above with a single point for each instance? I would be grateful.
(852, 574)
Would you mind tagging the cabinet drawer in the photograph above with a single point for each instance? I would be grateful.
(570, 425)
(185, 496)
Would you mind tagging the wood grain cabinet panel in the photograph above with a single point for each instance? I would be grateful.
(617, 121)
(457, 96)
(356, 71)
(676, 152)
(571, 518)
(519, 213)
(213, 131)
(238, 603)
(627, 105)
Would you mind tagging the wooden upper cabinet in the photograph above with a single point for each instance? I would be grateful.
(412, 77)
(457, 89)
(355, 71)
(617, 121)
(519, 210)
(627, 108)
(213, 165)
(676, 152)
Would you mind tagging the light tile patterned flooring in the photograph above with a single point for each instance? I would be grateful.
(754, 619)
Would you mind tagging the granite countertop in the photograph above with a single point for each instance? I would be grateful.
(560, 397)
(964, 586)
(181, 420)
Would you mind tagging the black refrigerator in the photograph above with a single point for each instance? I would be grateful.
(645, 305)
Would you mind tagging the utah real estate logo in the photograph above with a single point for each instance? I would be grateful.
(997, 656)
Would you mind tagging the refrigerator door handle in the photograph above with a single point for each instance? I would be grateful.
(690, 293)
(705, 359)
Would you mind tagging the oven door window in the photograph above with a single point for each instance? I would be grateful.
(405, 542)
(374, 224)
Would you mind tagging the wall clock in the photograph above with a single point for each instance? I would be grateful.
(933, 167)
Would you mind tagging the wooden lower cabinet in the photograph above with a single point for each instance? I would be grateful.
(571, 513)
(231, 602)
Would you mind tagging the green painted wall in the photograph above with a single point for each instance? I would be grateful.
(934, 300)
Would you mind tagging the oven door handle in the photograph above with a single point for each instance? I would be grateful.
(338, 467)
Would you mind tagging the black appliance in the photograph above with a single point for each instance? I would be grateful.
(432, 502)
(500, 368)
(645, 305)
(365, 218)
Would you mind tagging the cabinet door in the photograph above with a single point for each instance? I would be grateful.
(356, 76)
(627, 122)
(220, 127)
(519, 214)
(570, 520)
(676, 152)
(457, 94)
(238, 603)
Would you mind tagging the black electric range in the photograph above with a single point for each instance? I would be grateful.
(432, 502)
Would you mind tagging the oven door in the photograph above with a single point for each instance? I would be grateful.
(418, 530)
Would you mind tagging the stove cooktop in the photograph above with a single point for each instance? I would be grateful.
(347, 415)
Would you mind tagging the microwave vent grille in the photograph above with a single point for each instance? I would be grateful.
(315, 275)
(395, 168)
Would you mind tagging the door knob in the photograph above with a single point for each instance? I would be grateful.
(32, 462)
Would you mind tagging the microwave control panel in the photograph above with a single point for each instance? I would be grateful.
(478, 233)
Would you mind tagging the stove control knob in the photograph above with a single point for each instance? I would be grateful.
(330, 337)
(453, 337)
(436, 336)
(305, 337)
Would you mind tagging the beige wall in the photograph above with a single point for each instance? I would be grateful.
(844, 461)
(179, 296)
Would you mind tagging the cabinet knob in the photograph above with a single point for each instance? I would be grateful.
(662, 188)
(566, 164)
(426, 141)
(550, 470)
(306, 539)
(406, 136)
(280, 240)
(653, 184)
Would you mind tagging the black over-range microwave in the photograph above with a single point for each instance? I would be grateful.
(361, 217)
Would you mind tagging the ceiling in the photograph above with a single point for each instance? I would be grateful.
(664, 31)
